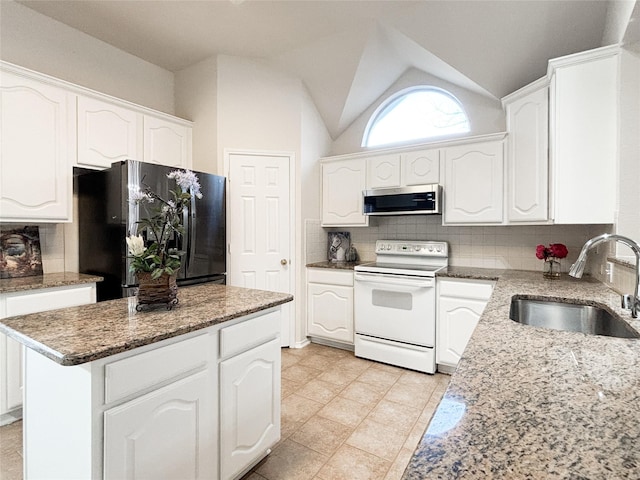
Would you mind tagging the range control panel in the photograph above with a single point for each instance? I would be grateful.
(405, 247)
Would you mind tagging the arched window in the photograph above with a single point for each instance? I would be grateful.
(414, 114)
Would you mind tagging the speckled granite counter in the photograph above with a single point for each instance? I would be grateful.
(471, 273)
(334, 265)
(48, 280)
(76, 335)
(535, 403)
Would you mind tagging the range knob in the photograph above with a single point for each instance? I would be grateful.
(417, 248)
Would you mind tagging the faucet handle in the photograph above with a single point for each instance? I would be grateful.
(627, 301)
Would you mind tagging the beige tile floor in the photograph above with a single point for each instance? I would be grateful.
(342, 418)
(348, 418)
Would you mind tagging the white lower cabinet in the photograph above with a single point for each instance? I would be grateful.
(330, 304)
(167, 433)
(200, 406)
(23, 303)
(249, 407)
(460, 305)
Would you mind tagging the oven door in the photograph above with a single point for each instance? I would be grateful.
(400, 308)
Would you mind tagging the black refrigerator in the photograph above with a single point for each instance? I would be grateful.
(106, 217)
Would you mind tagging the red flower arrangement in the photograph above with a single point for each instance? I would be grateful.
(555, 250)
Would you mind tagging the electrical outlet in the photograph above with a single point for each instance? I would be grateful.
(609, 272)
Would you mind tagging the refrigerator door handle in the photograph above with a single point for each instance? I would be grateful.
(191, 213)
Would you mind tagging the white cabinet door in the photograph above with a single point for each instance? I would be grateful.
(342, 184)
(421, 168)
(584, 139)
(473, 183)
(166, 434)
(457, 319)
(460, 305)
(37, 130)
(249, 407)
(528, 157)
(107, 133)
(330, 312)
(166, 143)
(383, 171)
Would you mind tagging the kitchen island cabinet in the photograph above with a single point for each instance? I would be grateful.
(137, 394)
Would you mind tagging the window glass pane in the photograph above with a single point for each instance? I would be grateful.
(418, 114)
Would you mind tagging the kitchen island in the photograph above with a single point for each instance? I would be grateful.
(529, 402)
(193, 392)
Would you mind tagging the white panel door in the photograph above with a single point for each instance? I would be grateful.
(259, 219)
(166, 434)
(249, 407)
(107, 133)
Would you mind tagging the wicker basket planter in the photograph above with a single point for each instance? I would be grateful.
(159, 291)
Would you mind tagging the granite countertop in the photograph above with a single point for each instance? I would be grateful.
(333, 265)
(76, 335)
(529, 402)
(48, 280)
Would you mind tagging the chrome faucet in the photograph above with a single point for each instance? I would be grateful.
(628, 301)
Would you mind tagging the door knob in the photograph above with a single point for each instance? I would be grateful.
(283, 261)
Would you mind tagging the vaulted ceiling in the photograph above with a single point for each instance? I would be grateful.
(349, 52)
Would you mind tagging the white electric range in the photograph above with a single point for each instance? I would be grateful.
(395, 303)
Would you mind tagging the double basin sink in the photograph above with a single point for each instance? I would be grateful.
(570, 317)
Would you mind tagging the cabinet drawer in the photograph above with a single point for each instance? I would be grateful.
(134, 374)
(24, 303)
(248, 334)
(330, 276)
(466, 289)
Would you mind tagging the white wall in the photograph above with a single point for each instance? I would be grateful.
(40, 43)
(485, 114)
(258, 107)
(196, 97)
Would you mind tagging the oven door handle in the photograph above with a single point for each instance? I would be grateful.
(419, 282)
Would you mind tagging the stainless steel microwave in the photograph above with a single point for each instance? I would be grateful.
(417, 200)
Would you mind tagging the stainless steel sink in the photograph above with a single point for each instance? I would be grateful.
(570, 317)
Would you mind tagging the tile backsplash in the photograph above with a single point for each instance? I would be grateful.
(471, 246)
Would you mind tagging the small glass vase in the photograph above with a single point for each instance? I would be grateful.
(551, 269)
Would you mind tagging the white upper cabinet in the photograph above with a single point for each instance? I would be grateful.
(527, 154)
(421, 167)
(584, 128)
(107, 133)
(342, 184)
(473, 188)
(37, 128)
(383, 171)
(166, 143)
